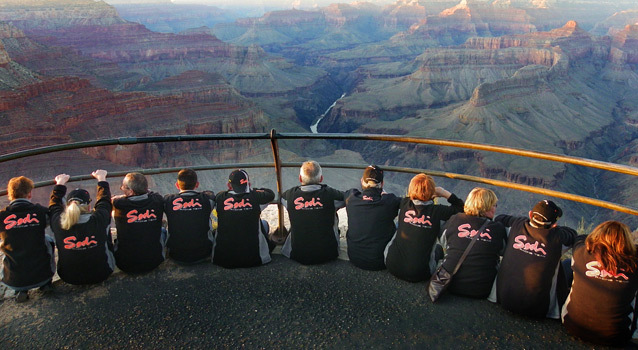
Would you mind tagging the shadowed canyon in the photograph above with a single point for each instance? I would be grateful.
(558, 76)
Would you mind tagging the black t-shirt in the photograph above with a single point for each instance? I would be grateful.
(239, 240)
(601, 306)
(139, 246)
(476, 275)
(85, 250)
(528, 277)
(27, 255)
(312, 213)
(190, 232)
(371, 216)
(409, 252)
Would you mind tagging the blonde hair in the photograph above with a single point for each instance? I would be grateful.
(479, 201)
(71, 214)
(421, 187)
(612, 244)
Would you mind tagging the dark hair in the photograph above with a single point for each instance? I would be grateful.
(19, 187)
(187, 179)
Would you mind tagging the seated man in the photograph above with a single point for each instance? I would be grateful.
(139, 246)
(371, 214)
(530, 280)
(190, 233)
(242, 237)
(312, 207)
(28, 260)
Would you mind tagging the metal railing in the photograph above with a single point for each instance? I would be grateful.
(273, 136)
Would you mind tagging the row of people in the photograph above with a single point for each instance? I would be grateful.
(529, 280)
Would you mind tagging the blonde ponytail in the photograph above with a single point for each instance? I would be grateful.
(71, 214)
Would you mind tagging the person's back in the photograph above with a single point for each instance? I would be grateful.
(601, 307)
(476, 275)
(371, 214)
(190, 232)
(242, 237)
(138, 218)
(314, 235)
(84, 239)
(410, 255)
(530, 281)
(28, 252)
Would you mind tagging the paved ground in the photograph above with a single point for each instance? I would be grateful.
(280, 305)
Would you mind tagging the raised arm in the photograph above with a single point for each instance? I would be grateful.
(103, 205)
(56, 206)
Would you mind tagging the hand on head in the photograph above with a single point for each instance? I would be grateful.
(99, 174)
(62, 179)
(441, 192)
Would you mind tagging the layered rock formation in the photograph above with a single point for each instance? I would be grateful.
(543, 91)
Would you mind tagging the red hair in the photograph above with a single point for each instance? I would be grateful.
(612, 245)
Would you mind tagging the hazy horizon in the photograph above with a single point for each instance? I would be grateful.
(283, 4)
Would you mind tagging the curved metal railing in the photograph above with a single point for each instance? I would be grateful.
(273, 136)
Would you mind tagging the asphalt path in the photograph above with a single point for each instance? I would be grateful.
(280, 305)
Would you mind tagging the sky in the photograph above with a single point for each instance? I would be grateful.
(285, 4)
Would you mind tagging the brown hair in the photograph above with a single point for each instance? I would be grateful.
(19, 187)
(479, 201)
(187, 179)
(612, 245)
(421, 187)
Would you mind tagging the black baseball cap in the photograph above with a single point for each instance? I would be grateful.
(373, 173)
(79, 195)
(546, 213)
(238, 180)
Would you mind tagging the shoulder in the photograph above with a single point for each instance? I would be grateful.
(333, 192)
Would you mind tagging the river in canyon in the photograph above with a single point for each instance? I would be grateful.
(313, 127)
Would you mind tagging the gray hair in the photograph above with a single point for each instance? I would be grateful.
(136, 182)
(310, 173)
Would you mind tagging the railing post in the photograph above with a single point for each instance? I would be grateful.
(280, 235)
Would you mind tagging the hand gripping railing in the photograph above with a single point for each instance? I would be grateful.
(273, 136)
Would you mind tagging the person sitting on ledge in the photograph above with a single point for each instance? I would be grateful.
(530, 280)
(371, 214)
(190, 232)
(476, 274)
(601, 307)
(242, 236)
(412, 255)
(312, 207)
(83, 237)
(28, 260)
(139, 246)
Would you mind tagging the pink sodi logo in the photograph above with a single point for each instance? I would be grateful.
(13, 220)
(230, 204)
(366, 198)
(148, 215)
(521, 244)
(179, 204)
(71, 242)
(300, 203)
(463, 232)
(411, 218)
(594, 270)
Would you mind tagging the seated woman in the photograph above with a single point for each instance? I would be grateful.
(476, 275)
(83, 237)
(601, 305)
(410, 255)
